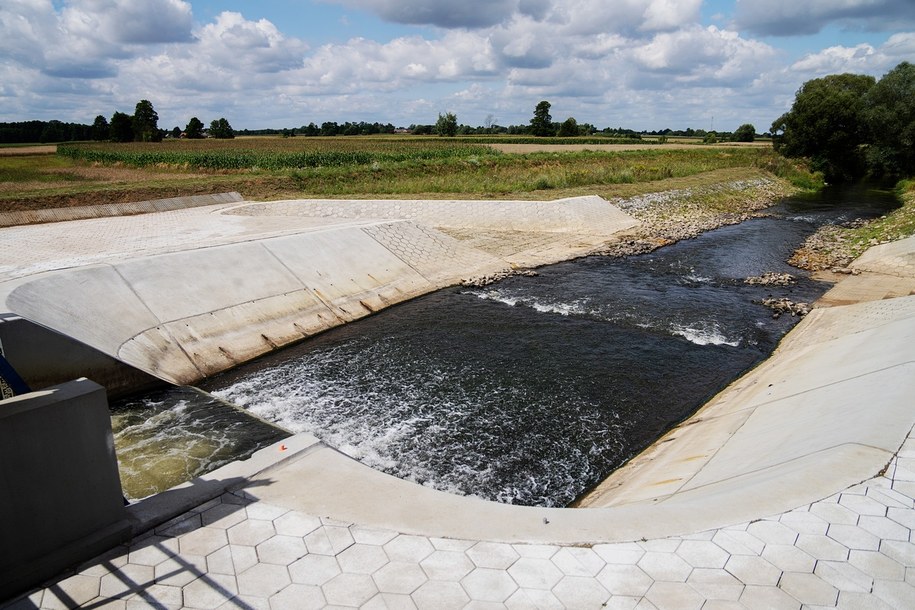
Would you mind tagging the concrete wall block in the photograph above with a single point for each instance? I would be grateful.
(155, 351)
(62, 493)
(93, 305)
(222, 339)
(184, 284)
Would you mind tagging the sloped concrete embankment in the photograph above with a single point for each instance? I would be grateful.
(827, 411)
(185, 315)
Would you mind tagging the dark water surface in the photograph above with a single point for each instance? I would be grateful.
(532, 390)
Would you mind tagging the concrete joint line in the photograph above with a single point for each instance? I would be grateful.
(889, 454)
(394, 254)
(328, 306)
(753, 409)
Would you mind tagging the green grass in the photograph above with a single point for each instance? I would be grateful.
(263, 168)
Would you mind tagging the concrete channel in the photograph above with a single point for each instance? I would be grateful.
(795, 485)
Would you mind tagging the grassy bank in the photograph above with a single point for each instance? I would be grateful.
(835, 247)
(393, 167)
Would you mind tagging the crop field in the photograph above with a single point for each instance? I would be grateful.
(263, 168)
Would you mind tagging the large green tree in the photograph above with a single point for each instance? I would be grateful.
(194, 129)
(447, 124)
(146, 123)
(826, 124)
(569, 128)
(100, 129)
(220, 128)
(890, 117)
(542, 122)
(745, 133)
(121, 127)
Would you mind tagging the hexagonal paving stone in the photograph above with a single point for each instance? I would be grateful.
(153, 550)
(389, 601)
(446, 565)
(329, 540)
(399, 577)
(295, 523)
(365, 535)
(674, 595)
(488, 585)
(624, 552)
(577, 561)
(263, 580)
(753, 570)
(884, 528)
(822, 547)
(264, 511)
(349, 589)
(809, 589)
(877, 565)
(844, 576)
(862, 505)
(772, 532)
(536, 551)
(789, 558)
(627, 580)
(702, 554)
(178, 571)
(251, 532)
(300, 597)
(79, 588)
(210, 591)
(409, 548)
(128, 578)
(362, 559)
(535, 573)
(715, 584)
(804, 522)
(158, 596)
(224, 516)
(853, 537)
(439, 595)
(901, 552)
(492, 555)
(665, 566)
(768, 598)
(579, 592)
(314, 569)
(202, 541)
(524, 599)
(281, 550)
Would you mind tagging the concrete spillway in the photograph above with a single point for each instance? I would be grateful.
(187, 293)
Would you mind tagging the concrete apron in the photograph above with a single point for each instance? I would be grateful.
(827, 411)
(202, 290)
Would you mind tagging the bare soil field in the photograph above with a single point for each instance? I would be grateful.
(44, 149)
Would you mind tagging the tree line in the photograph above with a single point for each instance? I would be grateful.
(143, 126)
(852, 125)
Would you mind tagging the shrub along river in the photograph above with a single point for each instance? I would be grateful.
(527, 391)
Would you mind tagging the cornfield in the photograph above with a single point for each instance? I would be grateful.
(272, 154)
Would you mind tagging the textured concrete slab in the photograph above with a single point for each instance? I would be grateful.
(187, 293)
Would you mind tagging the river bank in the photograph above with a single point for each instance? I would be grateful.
(670, 216)
(833, 247)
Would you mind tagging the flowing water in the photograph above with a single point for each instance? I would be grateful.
(527, 391)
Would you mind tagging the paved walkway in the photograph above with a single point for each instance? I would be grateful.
(852, 550)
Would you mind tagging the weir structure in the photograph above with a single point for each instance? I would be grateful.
(795, 485)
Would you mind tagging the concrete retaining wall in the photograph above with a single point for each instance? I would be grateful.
(186, 315)
(61, 499)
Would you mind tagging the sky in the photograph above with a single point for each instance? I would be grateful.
(639, 64)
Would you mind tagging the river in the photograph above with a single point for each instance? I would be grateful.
(527, 391)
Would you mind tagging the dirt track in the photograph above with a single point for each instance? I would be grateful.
(9, 151)
(531, 148)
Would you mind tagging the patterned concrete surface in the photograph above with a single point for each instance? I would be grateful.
(852, 550)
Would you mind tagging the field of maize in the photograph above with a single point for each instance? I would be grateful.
(272, 154)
